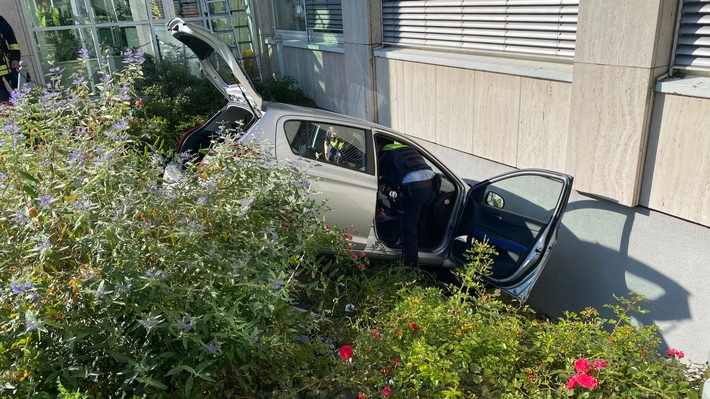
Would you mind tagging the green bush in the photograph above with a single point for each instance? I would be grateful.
(467, 342)
(171, 101)
(284, 90)
(115, 284)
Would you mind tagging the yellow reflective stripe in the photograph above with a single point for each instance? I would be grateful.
(14, 47)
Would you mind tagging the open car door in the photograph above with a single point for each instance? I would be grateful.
(519, 214)
(217, 62)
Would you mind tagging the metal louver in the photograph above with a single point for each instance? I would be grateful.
(692, 48)
(531, 27)
(324, 16)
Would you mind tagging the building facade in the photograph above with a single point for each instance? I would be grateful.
(616, 94)
(54, 30)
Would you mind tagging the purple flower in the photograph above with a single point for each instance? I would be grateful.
(150, 322)
(157, 274)
(78, 80)
(44, 244)
(202, 200)
(11, 129)
(54, 69)
(187, 324)
(84, 54)
(45, 201)
(21, 217)
(212, 347)
(20, 287)
(276, 284)
(31, 325)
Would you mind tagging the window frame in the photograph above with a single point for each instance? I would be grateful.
(692, 36)
(368, 150)
(500, 28)
(310, 34)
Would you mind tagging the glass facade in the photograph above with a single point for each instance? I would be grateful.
(61, 28)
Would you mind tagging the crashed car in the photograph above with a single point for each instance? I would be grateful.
(519, 212)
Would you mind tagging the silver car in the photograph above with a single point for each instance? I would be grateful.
(519, 212)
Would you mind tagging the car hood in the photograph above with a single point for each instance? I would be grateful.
(205, 45)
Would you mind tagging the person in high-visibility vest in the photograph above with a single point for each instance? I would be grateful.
(9, 59)
(403, 168)
(333, 146)
(48, 14)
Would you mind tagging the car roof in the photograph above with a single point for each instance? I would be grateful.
(289, 109)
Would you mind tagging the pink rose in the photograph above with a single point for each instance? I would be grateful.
(600, 364)
(582, 365)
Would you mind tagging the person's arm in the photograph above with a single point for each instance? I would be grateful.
(12, 45)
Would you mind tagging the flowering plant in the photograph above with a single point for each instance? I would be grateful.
(468, 341)
(117, 284)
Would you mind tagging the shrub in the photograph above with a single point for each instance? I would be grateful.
(284, 90)
(469, 342)
(114, 284)
(172, 100)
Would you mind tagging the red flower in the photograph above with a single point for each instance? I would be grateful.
(582, 366)
(600, 364)
(675, 352)
(396, 360)
(376, 334)
(584, 380)
(413, 324)
(531, 376)
(360, 395)
(587, 381)
(361, 266)
(362, 253)
(386, 392)
(287, 225)
(609, 340)
(354, 257)
(139, 103)
(346, 352)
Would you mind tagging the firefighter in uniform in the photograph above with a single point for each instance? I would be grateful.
(9, 59)
(403, 168)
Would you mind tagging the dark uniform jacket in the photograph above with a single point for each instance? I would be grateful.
(396, 161)
(9, 49)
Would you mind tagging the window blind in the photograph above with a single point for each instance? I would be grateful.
(324, 16)
(692, 50)
(532, 27)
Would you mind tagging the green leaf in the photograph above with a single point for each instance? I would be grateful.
(175, 370)
(188, 386)
(28, 176)
(29, 190)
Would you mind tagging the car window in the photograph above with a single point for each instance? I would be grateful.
(337, 144)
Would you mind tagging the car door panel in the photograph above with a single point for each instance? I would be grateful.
(518, 214)
(349, 188)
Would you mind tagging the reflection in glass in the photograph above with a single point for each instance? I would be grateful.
(157, 10)
(119, 10)
(60, 49)
(128, 37)
(49, 13)
(187, 8)
(290, 15)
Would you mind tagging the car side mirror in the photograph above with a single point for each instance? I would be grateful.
(494, 200)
